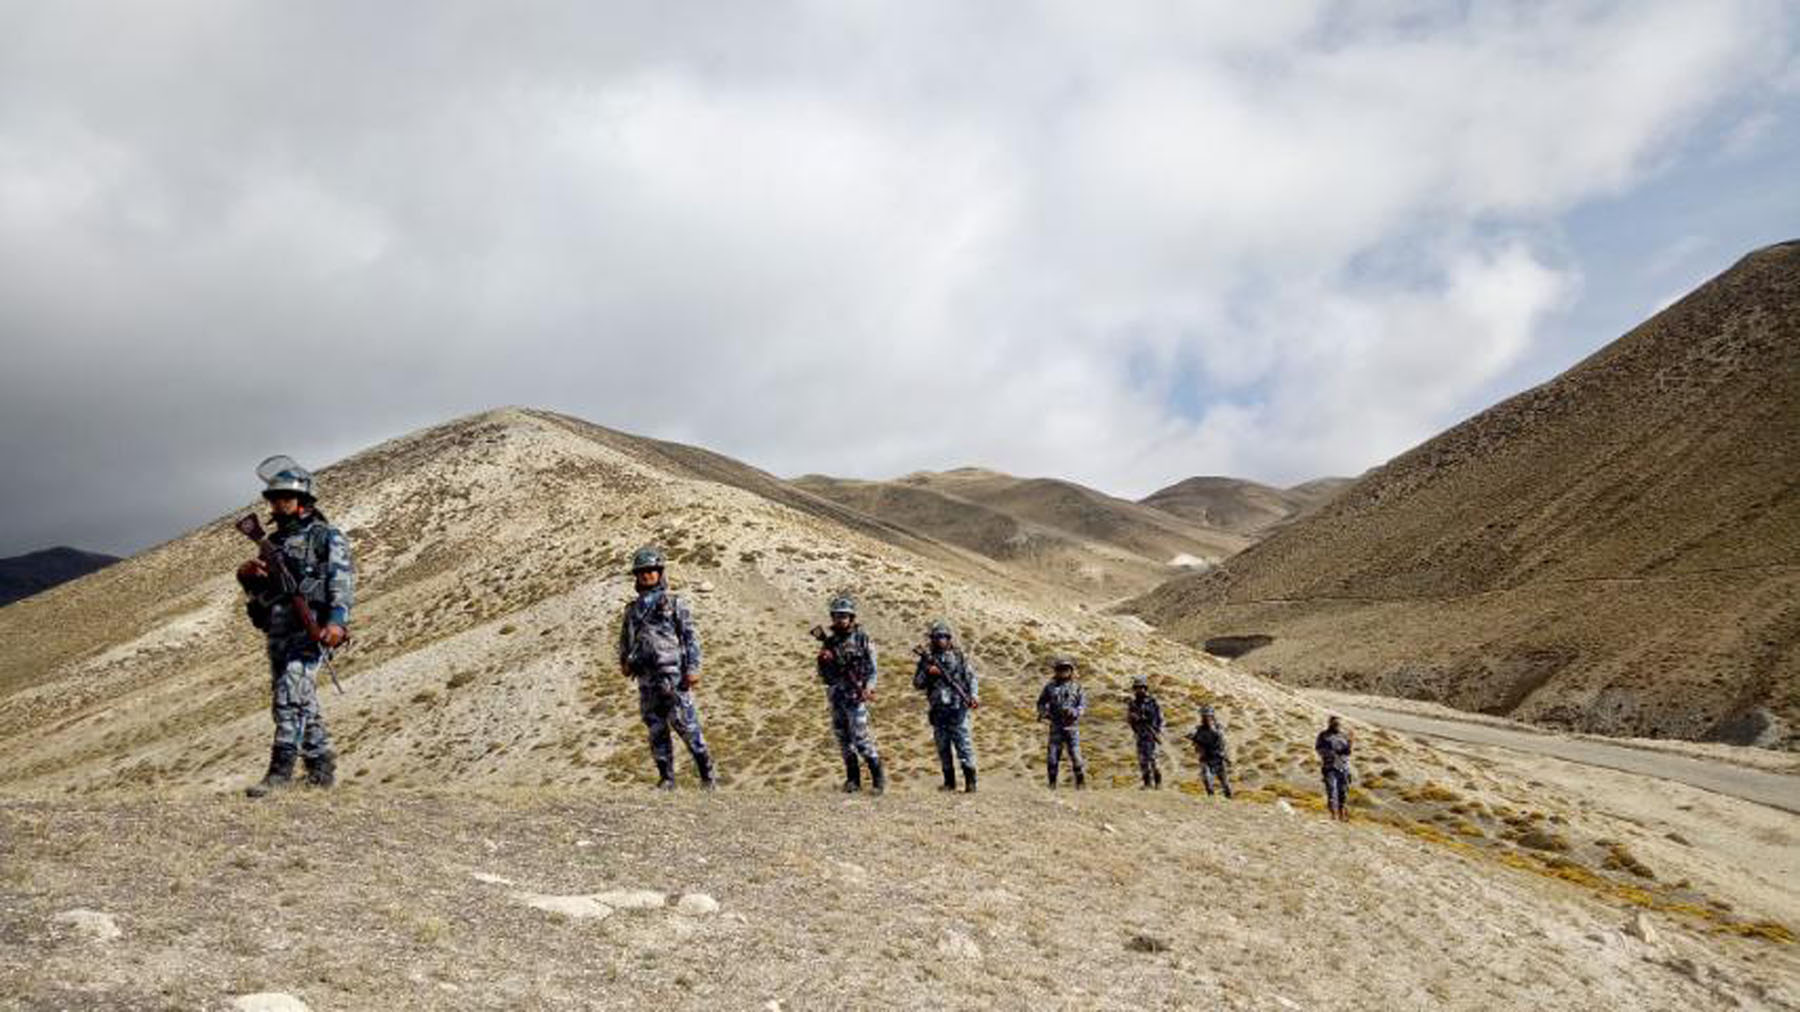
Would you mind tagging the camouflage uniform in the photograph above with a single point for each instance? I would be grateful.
(847, 667)
(658, 646)
(319, 557)
(1210, 749)
(1333, 747)
(1062, 703)
(1145, 716)
(950, 693)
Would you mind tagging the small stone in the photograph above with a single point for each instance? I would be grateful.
(584, 843)
(577, 907)
(704, 586)
(1107, 827)
(497, 880)
(268, 1001)
(697, 905)
(958, 945)
(95, 925)
(1640, 928)
(1286, 1002)
(632, 899)
(1282, 805)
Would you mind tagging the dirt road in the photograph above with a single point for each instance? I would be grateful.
(1775, 790)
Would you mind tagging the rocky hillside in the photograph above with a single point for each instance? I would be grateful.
(494, 843)
(24, 575)
(1617, 550)
(1096, 546)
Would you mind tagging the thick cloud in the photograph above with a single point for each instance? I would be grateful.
(1121, 243)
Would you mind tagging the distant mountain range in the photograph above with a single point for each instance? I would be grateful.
(24, 575)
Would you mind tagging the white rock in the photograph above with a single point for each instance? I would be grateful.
(632, 899)
(1640, 928)
(958, 945)
(584, 843)
(268, 1001)
(497, 880)
(697, 905)
(1286, 809)
(92, 923)
(578, 907)
(1286, 1002)
(704, 586)
(1107, 827)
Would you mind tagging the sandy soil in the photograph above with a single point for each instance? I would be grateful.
(1012, 898)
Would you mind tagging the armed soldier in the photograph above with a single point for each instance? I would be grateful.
(1333, 746)
(300, 592)
(1210, 749)
(1145, 716)
(847, 667)
(659, 648)
(1062, 703)
(952, 689)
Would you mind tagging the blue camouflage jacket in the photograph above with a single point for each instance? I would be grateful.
(656, 636)
(319, 557)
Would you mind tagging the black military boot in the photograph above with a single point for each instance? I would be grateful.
(1080, 780)
(665, 777)
(949, 778)
(877, 776)
(709, 779)
(280, 774)
(1156, 777)
(969, 779)
(321, 771)
(852, 775)
(1051, 777)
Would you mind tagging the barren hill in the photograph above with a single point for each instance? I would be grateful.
(1098, 546)
(494, 843)
(1243, 507)
(1616, 550)
(24, 575)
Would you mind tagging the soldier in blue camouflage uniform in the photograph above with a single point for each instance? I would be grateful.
(319, 558)
(1333, 746)
(1211, 750)
(1062, 703)
(659, 648)
(1145, 716)
(847, 667)
(952, 689)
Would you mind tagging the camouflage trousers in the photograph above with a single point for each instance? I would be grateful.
(666, 708)
(1061, 739)
(1214, 770)
(850, 724)
(1146, 755)
(1337, 788)
(950, 731)
(294, 696)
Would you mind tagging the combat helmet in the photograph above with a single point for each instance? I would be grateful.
(283, 476)
(646, 558)
(1061, 661)
(843, 604)
(1140, 682)
(942, 628)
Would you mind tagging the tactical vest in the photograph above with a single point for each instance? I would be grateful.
(849, 659)
(656, 636)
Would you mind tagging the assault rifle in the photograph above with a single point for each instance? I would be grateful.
(851, 672)
(924, 652)
(271, 554)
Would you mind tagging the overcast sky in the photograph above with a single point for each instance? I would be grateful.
(1122, 243)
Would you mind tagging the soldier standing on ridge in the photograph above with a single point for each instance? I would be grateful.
(1144, 714)
(1333, 745)
(659, 648)
(1209, 748)
(1062, 703)
(847, 667)
(952, 690)
(318, 558)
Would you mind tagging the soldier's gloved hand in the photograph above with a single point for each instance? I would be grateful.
(826, 656)
(253, 571)
(690, 680)
(934, 671)
(974, 704)
(333, 636)
(868, 696)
